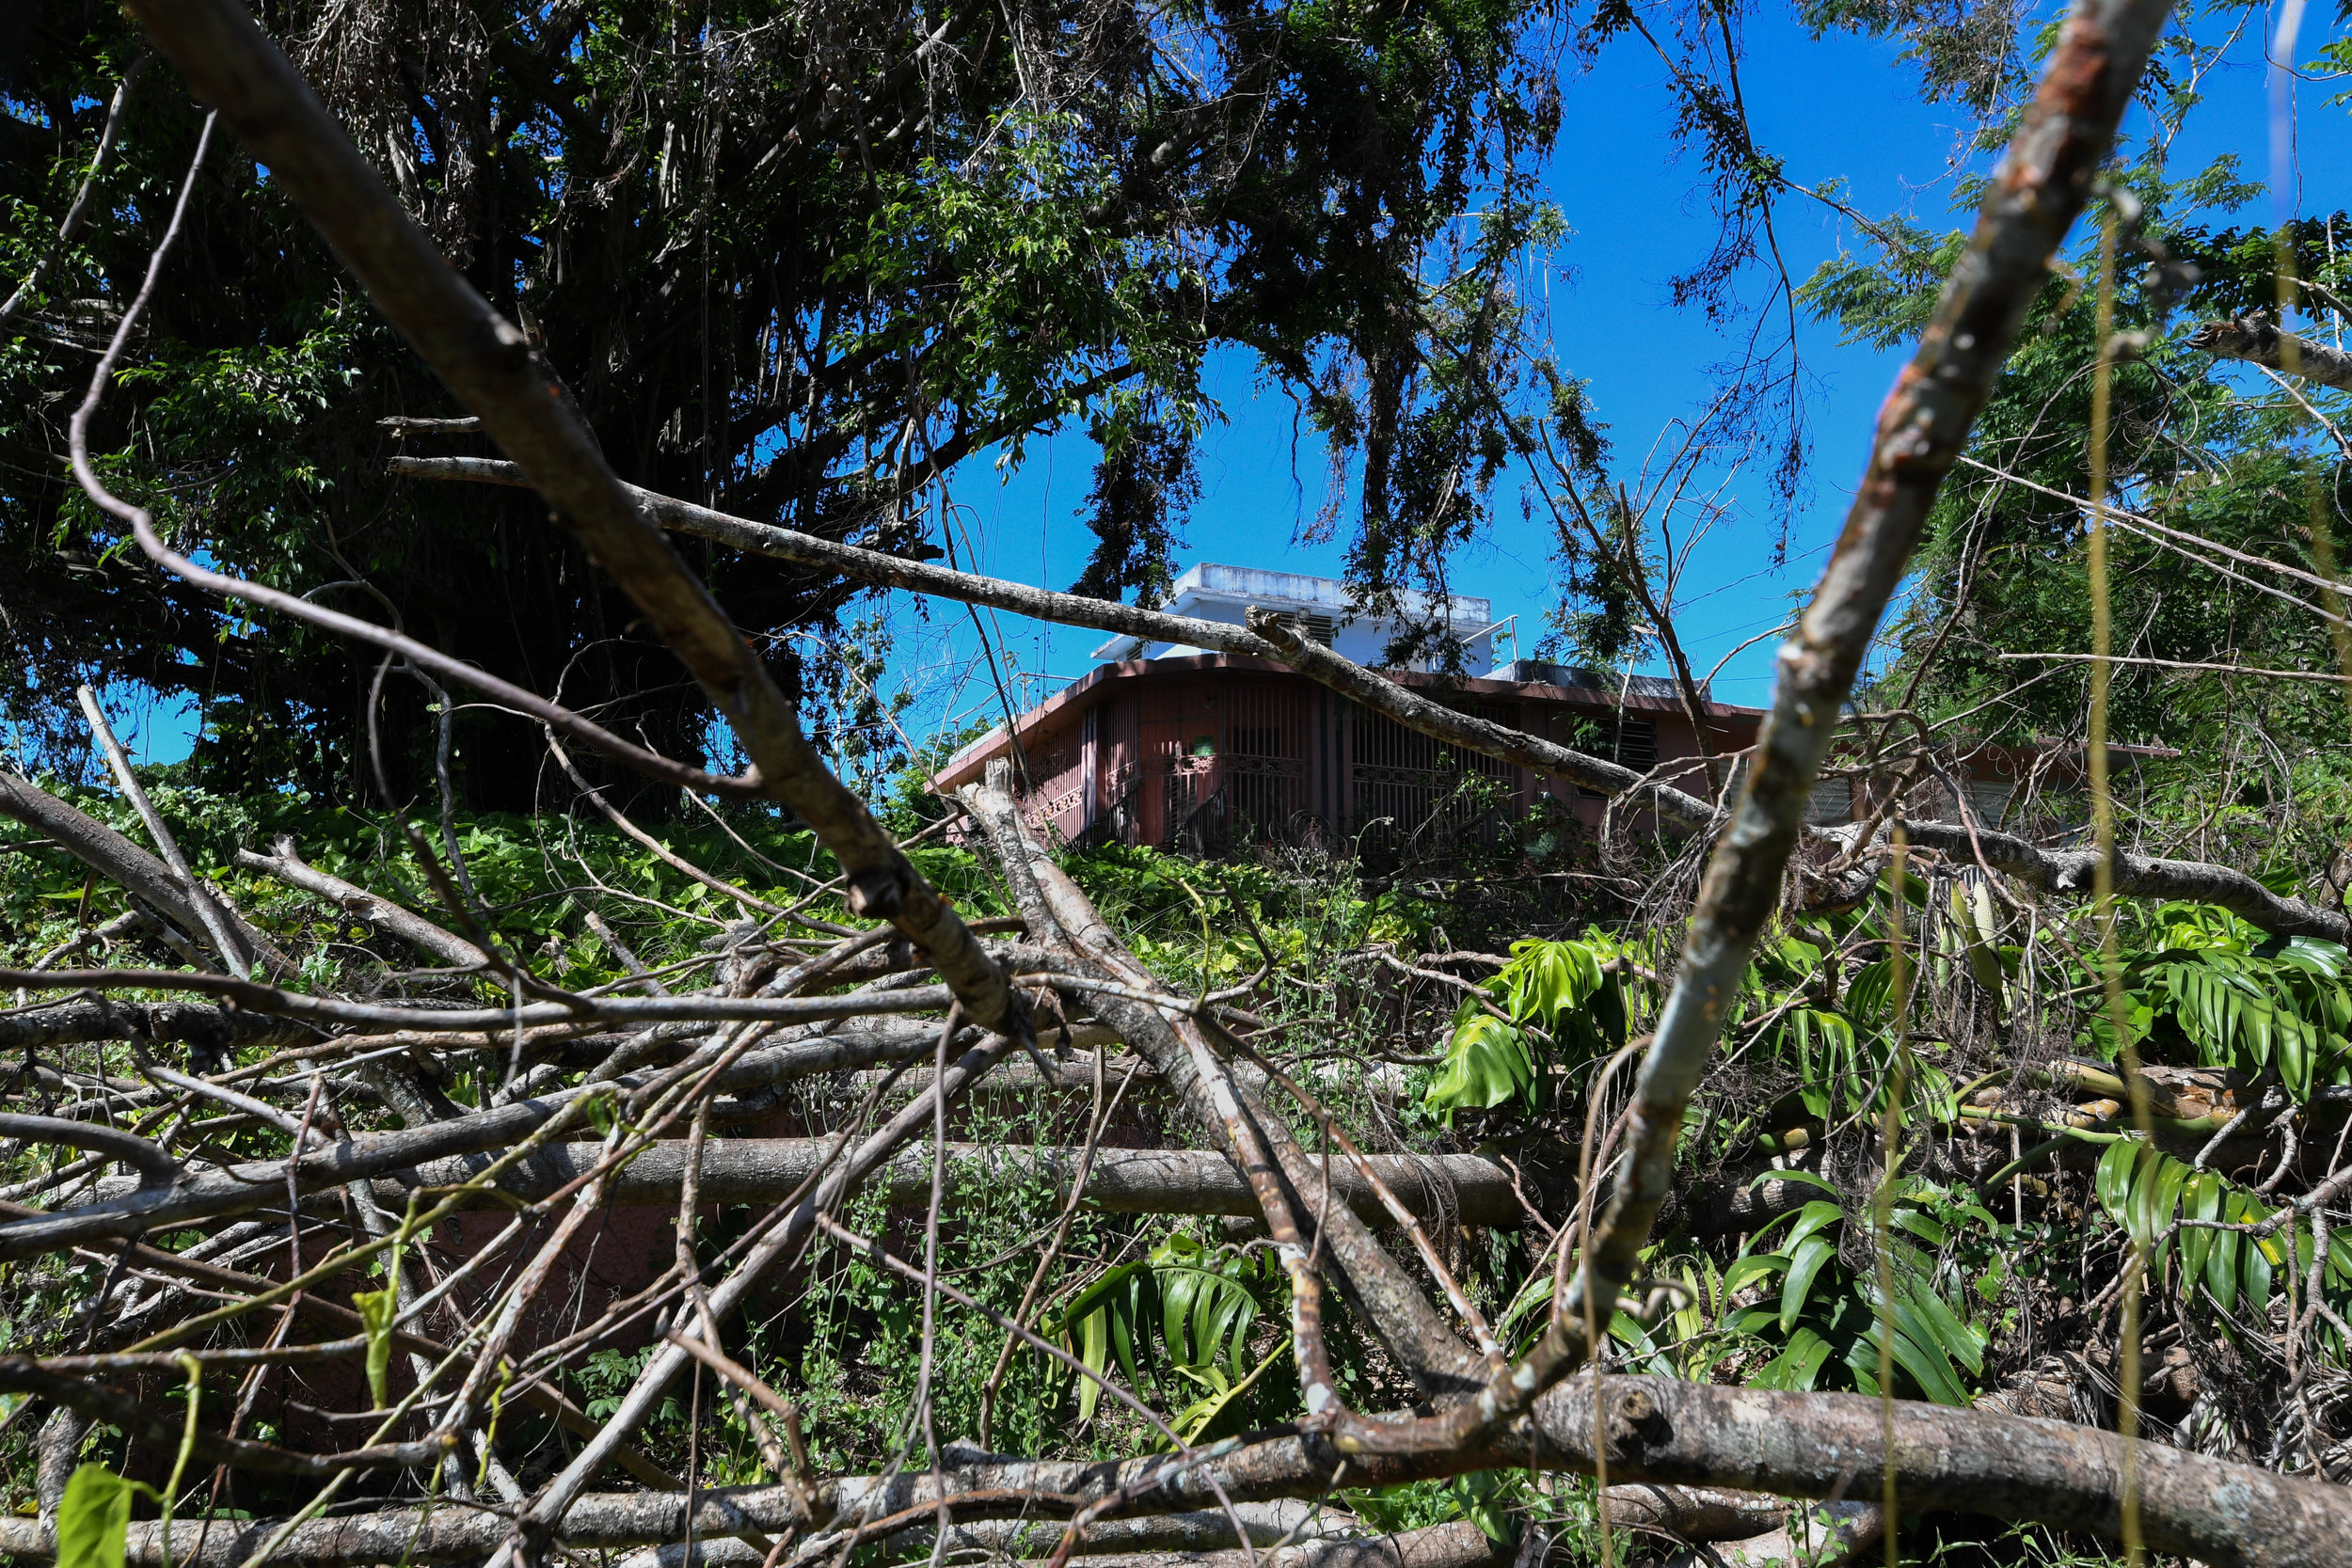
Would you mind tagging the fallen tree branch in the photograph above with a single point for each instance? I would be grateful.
(2135, 877)
(211, 1029)
(1976, 1462)
(289, 867)
(491, 367)
(241, 1189)
(1466, 1187)
(2256, 338)
(1264, 638)
(124, 863)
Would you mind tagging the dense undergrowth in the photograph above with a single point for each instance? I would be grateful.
(1985, 1260)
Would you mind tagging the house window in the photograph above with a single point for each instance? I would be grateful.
(1832, 801)
(1628, 739)
(1634, 743)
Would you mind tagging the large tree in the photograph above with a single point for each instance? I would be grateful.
(797, 262)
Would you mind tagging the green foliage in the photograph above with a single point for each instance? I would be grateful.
(718, 263)
(1562, 989)
(2202, 983)
(1822, 1327)
(1487, 1063)
(377, 1308)
(94, 1517)
(2148, 1193)
(1489, 1499)
(1184, 1312)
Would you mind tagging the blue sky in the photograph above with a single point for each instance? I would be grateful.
(1839, 108)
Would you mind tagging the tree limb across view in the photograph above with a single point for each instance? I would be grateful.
(558, 1096)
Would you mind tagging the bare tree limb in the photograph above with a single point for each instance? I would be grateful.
(241, 1189)
(288, 867)
(1469, 1187)
(1265, 637)
(121, 861)
(489, 364)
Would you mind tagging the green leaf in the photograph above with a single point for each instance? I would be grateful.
(377, 1308)
(1953, 1337)
(1810, 1179)
(1193, 1423)
(2200, 1200)
(94, 1518)
(1094, 1351)
(1486, 1063)
(1805, 1263)
(1928, 1368)
(1797, 1367)
(2221, 1268)
(2112, 1182)
(1750, 1266)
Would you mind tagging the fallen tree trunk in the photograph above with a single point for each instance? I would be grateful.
(1208, 1530)
(1976, 1462)
(455, 1533)
(1124, 1181)
(211, 1028)
(2135, 877)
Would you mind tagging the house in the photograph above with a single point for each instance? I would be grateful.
(1170, 745)
(1181, 747)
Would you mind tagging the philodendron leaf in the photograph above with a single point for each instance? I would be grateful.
(1487, 1062)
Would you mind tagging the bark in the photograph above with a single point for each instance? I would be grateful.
(489, 364)
(1457, 1545)
(1209, 1529)
(1124, 1181)
(124, 863)
(1738, 1203)
(1837, 1534)
(702, 1008)
(57, 1452)
(1264, 638)
(288, 867)
(1660, 1430)
(211, 1029)
(2257, 340)
(241, 1189)
(618, 1521)
(1695, 1512)
(2135, 877)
